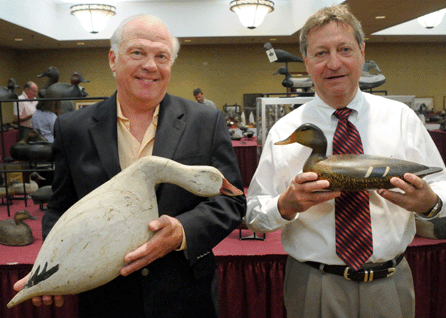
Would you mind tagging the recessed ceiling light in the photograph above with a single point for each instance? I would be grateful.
(272, 39)
(18, 40)
(187, 40)
(380, 17)
(80, 43)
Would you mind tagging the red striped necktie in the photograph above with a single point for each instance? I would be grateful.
(354, 243)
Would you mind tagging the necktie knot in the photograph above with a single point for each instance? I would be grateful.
(343, 114)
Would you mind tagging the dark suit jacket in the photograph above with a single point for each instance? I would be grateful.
(86, 152)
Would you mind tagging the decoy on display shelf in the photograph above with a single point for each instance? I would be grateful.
(42, 195)
(122, 207)
(15, 232)
(53, 77)
(351, 172)
(33, 147)
(9, 91)
(282, 56)
(28, 188)
(304, 83)
(65, 90)
(371, 76)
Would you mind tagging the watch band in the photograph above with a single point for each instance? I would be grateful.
(432, 213)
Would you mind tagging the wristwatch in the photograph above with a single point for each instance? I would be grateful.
(432, 213)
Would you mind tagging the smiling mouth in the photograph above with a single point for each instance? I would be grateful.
(335, 77)
(146, 80)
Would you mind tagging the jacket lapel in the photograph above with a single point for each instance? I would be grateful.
(171, 125)
(105, 136)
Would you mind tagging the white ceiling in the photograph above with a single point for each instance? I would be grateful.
(187, 19)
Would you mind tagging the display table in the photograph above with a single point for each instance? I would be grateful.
(246, 152)
(11, 137)
(251, 275)
(439, 137)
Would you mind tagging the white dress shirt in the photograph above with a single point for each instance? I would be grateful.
(387, 128)
(25, 109)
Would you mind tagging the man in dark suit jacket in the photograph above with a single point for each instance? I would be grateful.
(174, 273)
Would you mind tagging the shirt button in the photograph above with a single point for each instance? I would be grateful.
(145, 272)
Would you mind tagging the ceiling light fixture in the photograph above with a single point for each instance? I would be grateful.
(431, 20)
(251, 12)
(93, 17)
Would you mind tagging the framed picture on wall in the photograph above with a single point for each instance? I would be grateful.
(427, 103)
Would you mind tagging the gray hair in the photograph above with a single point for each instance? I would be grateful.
(340, 14)
(115, 40)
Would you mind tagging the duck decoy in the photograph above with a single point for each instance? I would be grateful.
(304, 83)
(433, 229)
(65, 90)
(9, 91)
(282, 56)
(15, 232)
(351, 172)
(69, 90)
(53, 77)
(68, 261)
(33, 147)
(371, 76)
(28, 188)
(42, 195)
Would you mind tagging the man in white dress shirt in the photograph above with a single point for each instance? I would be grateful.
(281, 196)
(27, 108)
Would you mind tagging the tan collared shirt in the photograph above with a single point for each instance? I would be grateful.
(130, 149)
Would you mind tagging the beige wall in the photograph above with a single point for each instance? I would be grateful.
(227, 72)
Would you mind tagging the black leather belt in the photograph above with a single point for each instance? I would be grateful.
(367, 274)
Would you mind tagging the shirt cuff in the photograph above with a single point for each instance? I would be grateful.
(183, 245)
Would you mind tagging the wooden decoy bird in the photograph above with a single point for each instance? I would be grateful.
(15, 232)
(42, 195)
(351, 172)
(111, 221)
(65, 90)
(304, 83)
(29, 188)
(33, 147)
(9, 91)
(283, 56)
(371, 76)
(53, 77)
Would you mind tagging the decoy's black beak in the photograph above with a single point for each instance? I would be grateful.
(228, 189)
(32, 217)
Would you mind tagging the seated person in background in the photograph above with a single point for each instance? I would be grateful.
(27, 108)
(45, 116)
(198, 94)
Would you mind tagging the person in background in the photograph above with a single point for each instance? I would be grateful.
(27, 108)
(45, 116)
(320, 279)
(174, 273)
(198, 94)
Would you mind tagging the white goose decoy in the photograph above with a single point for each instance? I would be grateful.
(83, 250)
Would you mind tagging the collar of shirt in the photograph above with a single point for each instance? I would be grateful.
(130, 150)
(326, 111)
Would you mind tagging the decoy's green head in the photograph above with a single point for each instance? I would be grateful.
(308, 135)
(21, 215)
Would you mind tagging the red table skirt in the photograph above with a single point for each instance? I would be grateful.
(251, 285)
